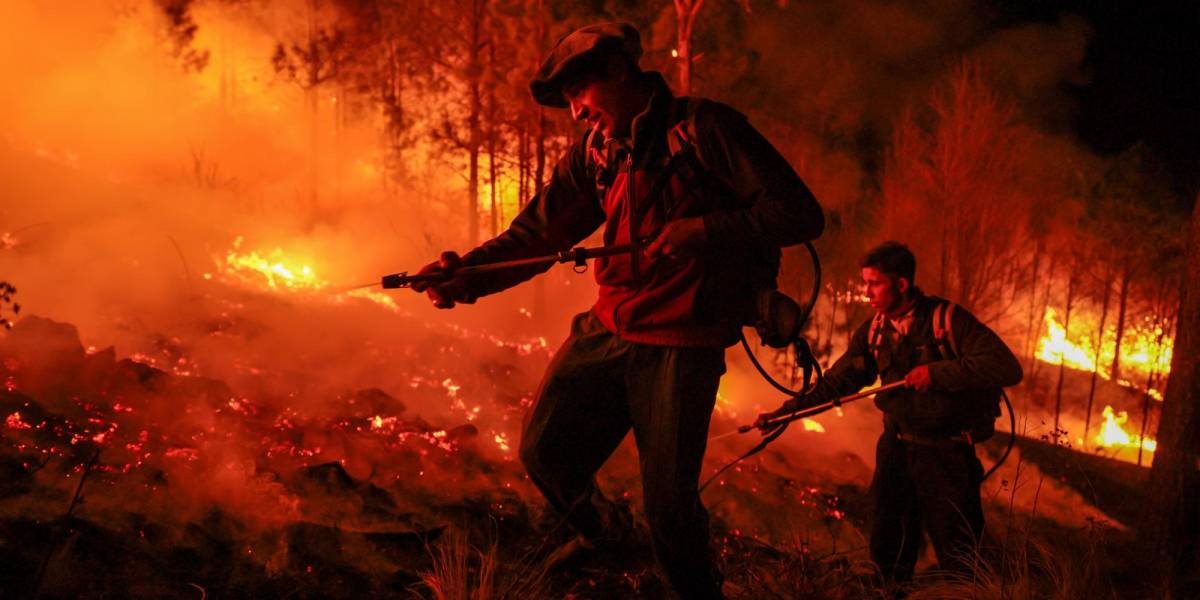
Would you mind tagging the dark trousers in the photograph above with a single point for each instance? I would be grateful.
(925, 486)
(596, 388)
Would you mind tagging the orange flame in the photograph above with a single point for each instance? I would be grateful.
(1141, 351)
(1112, 435)
(273, 271)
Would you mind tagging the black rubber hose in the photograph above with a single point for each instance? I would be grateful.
(1012, 435)
(805, 313)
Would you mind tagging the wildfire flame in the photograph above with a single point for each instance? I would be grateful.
(1141, 351)
(274, 271)
(1055, 348)
(1113, 436)
(273, 268)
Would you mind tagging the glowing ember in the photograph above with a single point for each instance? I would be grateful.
(14, 422)
(811, 425)
(379, 298)
(1113, 436)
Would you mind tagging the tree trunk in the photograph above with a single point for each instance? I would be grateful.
(492, 181)
(1030, 336)
(539, 172)
(1169, 535)
(523, 167)
(1062, 364)
(493, 132)
(312, 80)
(539, 175)
(685, 19)
(1141, 440)
(1122, 307)
(475, 74)
(1151, 381)
(1087, 418)
(1031, 375)
(832, 322)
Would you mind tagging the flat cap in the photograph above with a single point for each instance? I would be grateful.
(577, 49)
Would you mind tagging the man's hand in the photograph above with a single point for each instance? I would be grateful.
(678, 238)
(786, 408)
(761, 422)
(919, 379)
(446, 293)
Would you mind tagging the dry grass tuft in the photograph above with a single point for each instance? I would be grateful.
(463, 571)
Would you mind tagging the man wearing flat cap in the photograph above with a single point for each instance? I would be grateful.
(716, 202)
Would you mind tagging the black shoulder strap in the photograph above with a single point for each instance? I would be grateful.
(875, 335)
(942, 321)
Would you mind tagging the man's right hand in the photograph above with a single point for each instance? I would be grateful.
(786, 408)
(446, 293)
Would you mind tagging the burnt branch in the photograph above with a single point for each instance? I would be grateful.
(182, 29)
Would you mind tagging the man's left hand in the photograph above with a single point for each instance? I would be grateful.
(679, 238)
(919, 379)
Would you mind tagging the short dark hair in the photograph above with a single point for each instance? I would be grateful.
(892, 259)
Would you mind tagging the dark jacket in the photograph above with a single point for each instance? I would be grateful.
(964, 388)
(751, 199)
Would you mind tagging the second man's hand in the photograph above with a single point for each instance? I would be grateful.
(679, 238)
(445, 293)
(763, 422)
(919, 379)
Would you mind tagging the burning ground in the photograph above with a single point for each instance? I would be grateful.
(139, 474)
(225, 417)
(272, 434)
(199, 399)
(222, 415)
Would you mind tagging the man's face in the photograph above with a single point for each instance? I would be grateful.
(605, 103)
(885, 293)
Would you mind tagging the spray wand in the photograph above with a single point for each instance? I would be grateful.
(578, 256)
(803, 413)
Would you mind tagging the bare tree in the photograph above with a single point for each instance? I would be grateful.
(459, 36)
(685, 21)
(1133, 204)
(1073, 276)
(387, 69)
(1104, 282)
(956, 171)
(311, 63)
(1169, 536)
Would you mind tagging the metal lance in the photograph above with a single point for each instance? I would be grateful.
(773, 428)
(813, 410)
(578, 256)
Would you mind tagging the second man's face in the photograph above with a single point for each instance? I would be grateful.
(882, 291)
